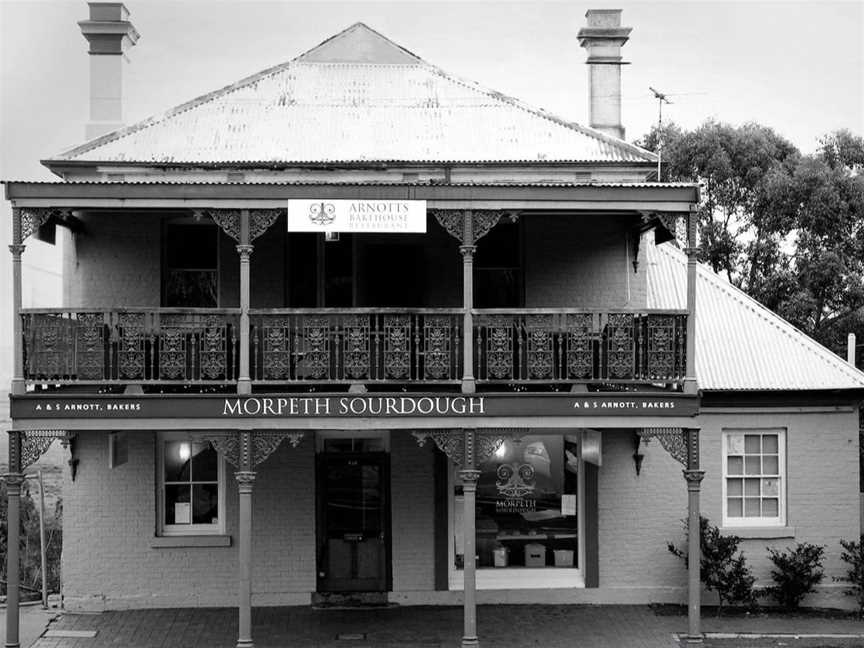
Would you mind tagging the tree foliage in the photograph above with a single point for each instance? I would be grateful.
(785, 227)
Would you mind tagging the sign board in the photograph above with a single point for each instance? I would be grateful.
(357, 216)
(288, 406)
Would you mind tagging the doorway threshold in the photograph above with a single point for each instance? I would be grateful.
(350, 600)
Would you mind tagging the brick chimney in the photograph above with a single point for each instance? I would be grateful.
(603, 37)
(110, 35)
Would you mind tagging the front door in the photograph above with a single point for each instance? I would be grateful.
(353, 521)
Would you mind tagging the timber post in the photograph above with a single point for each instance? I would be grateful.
(470, 475)
(693, 476)
(690, 384)
(467, 249)
(13, 480)
(244, 382)
(17, 249)
(245, 477)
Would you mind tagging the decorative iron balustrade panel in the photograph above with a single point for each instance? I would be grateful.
(131, 335)
(620, 344)
(572, 347)
(129, 347)
(581, 344)
(90, 346)
(361, 346)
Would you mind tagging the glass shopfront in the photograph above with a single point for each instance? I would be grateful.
(527, 517)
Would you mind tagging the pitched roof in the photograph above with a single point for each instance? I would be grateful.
(357, 96)
(740, 344)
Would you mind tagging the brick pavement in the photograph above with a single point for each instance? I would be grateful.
(500, 626)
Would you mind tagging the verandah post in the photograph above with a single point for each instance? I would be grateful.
(13, 480)
(244, 382)
(17, 249)
(469, 475)
(690, 385)
(467, 249)
(693, 476)
(245, 480)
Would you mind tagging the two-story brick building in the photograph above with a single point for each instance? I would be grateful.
(450, 339)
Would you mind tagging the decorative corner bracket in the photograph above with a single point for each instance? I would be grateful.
(260, 220)
(482, 222)
(246, 449)
(672, 440)
(34, 443)
(30, 219)
(467, 448)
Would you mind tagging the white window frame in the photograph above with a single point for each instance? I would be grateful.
(507, 578)
(164, 529)
(753, 522)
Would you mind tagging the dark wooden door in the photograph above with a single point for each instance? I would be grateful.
(353, 522)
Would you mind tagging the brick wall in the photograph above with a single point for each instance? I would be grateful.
(580, 261)
(412, 491)
(115, 261)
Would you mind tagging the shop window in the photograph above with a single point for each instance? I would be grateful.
(191, 486)
(754, 479)
(527, 514)
(190, 277)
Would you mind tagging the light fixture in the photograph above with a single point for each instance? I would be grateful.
(185, 451)
(501, 450)
(637, 456)
(331, 237)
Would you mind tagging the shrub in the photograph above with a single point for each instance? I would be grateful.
(799, 570)
(854, 555)
(721, 570)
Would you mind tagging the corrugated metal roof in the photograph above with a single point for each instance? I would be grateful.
(387, 104)
(740, 344)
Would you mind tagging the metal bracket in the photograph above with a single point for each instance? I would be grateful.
(260, 220)
(34, 443)
(467, 448)
(245, 450)
(453, 221)
(672, 440)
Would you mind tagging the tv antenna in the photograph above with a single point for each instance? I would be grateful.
(661, 99)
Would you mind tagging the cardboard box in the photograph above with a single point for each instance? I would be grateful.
(563, 557)
(535, 555)
(501, 557)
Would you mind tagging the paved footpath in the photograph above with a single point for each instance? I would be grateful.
(502, 626)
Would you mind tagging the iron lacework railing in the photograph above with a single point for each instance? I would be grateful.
(577, 346)
(345, 346)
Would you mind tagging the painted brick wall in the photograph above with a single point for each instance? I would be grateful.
(639, 515)
(580, 262)
(115, 261)
(412, 492)
(109, 522)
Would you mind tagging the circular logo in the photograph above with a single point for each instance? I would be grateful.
(322, 213)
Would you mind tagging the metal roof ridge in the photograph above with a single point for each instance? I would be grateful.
(782, 325)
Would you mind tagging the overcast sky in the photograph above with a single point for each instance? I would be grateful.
(797, 67)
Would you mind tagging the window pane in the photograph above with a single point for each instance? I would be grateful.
(770, 487)
(205, 465)
(734, 487)
(736, 444)
(735, 465)
(770, 465)
(751, 487)
(770, 507)
(177, 456)
(205, 504)
(752, 466)
(735, 505)
(751, 507)
(769, 444)
(177, 505)
(751, 444)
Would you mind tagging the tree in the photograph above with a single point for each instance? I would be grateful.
(785, 227)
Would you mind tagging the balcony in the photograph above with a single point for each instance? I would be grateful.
(304, 348)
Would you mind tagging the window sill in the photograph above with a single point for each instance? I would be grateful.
(163, 542)
(759, 532)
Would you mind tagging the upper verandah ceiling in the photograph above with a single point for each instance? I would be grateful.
(357, 97)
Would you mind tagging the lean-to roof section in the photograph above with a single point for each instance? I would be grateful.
(357, 97)
(740, 344)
